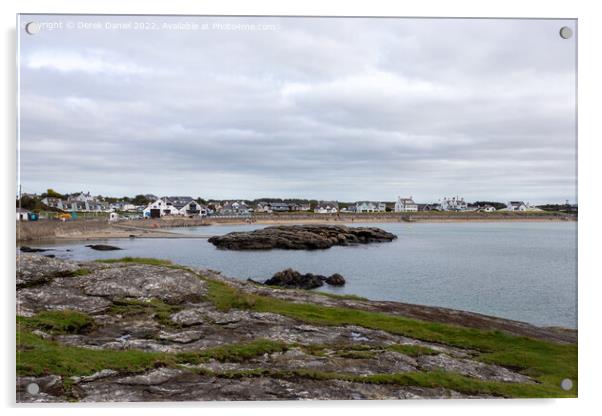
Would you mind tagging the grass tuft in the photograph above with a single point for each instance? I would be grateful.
(59, 322)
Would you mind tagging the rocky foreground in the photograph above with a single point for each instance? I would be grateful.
(301, 237)
(146, 330)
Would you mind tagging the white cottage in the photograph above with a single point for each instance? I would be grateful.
(405, 205)
(370, 206)
(327, 207)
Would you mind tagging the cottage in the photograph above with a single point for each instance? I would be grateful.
(370, 206)
(53, 202)
(23, 214)
(454, 203)
(405, 205)
(82, 197)
(188, 206)
(234, 208)
(516, 206)
(263, 207)
(327, 207)
(300, 207)
(280, 207)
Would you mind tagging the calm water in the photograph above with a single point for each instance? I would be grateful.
(523, 271)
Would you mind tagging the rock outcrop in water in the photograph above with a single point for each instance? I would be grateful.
(103, 247)
(176, 340)
(301, 237)
(290, 278)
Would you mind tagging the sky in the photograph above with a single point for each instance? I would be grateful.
(321, 108)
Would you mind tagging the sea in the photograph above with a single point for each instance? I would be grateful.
(525, 271)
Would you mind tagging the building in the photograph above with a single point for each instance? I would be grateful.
(263, 207)
(405, 205)
(53, 202)
(370, 206)
(174, 205)
(280, 207)
(486, 208)
(454, 203)
(234, 208)
(81, 197)
(300, 207)
(23, 214)
(159, 208)
(516, 206)
(327, 207)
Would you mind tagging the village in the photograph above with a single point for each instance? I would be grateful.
(52, 205)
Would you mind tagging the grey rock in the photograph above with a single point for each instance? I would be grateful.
(301, 237)
(143, 281)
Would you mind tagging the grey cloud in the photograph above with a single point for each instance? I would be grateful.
(343, 109)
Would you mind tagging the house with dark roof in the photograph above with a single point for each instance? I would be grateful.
(369, 206)
(327, 207)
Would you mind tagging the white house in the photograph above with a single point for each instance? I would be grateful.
(82, 197)
(193, 208)
(516, 206)
(369, 206)
(264, 207)
(159, 208)
(327, 207)
(405, 205)
(454, 203)
(22, 214)
(234, 208)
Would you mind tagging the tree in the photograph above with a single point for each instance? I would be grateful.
(140, 200)
(52, 193)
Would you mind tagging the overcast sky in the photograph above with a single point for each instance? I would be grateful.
(346, 109)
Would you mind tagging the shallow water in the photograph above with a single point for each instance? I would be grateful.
(525, 271)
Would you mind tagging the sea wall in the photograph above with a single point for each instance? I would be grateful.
(45, 229)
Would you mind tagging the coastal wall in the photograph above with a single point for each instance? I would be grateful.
(48, 229)
(45, 229)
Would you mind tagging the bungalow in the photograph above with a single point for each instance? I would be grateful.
(516, 206)
(53, 202)
(264, 207)
(327, 207)
(187, 206)
(300, 207)
(23, 214)
(234, 208)
(369, 206)
(82, 197)
(454, 203)
(280, 207)
(405, 205)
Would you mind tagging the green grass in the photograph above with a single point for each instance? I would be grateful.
(412, 350)
(547, 361)
(37, 356)
(59, 322)
(138, 260)
(233, 352)
(335, 296)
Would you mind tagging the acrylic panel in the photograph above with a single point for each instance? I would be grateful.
(291, 208)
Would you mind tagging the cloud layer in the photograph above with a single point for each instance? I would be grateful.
(346, 109)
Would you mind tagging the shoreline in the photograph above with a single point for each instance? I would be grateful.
(87, 230)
